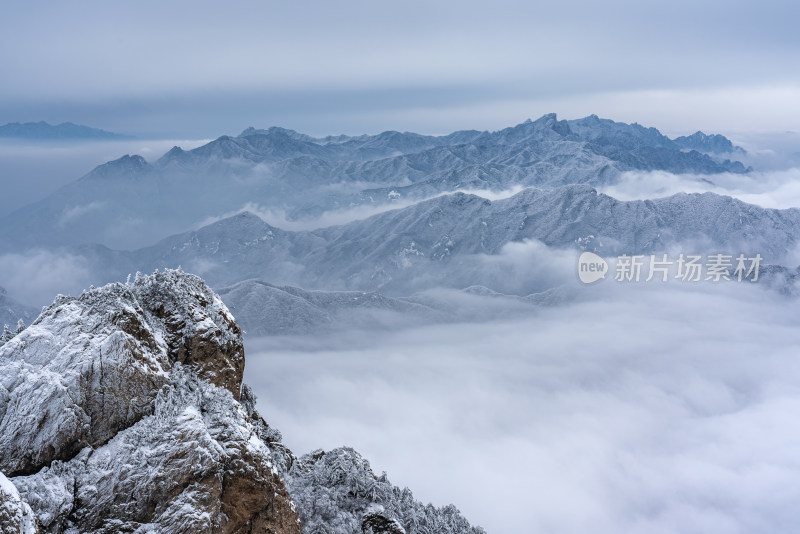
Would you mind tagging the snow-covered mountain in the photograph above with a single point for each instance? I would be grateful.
(445, 241)
(337, 491)
(712, 144)
(264, 309)
(123, 410)
(129, 202)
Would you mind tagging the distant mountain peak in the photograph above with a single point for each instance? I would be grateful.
(175, 155)
(279, 131)
(125, 167)
(240, 223)
(47, 132)
(715, 143)
(304, 177)
(249, 215)
(542, 128)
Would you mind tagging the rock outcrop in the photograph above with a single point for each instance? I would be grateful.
(119, 412)
(16, 517)
(123, 410)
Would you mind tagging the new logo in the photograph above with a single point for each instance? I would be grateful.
(591, 268)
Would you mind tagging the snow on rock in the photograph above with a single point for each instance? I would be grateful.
(15, 515)
(337, 492)
(123, 410)
(92, 365)
(119, 412)
(194, 465)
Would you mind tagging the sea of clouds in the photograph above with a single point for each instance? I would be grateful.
(645, 408)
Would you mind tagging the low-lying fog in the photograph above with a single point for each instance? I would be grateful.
(643, 409)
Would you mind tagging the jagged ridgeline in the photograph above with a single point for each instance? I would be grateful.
(123, 410)
(437, 242)
(130, 202)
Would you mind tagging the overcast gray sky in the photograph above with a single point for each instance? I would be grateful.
(201, 68)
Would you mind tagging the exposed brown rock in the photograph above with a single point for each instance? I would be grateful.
(134, 389)
(16, 516)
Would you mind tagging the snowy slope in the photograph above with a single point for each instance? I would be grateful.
(441, 242)
(337, 491)
(264, 309)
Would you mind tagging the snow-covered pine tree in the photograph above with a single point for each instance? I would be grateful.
(7, 335)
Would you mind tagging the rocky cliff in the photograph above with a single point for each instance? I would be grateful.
(120, 413)
(123, 410)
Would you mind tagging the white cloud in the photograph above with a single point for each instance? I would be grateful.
(492, 195)
(279, 219)
(75, 212)
(36, 276)
(644, 410)
(769, 189)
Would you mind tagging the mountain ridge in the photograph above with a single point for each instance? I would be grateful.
(129, 202)
(63, 131)
(445, 240)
